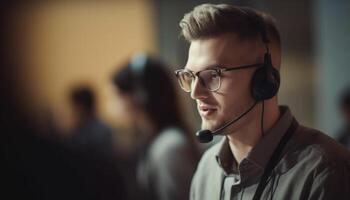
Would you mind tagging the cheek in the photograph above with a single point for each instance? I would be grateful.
(235, 88)
(233, 97)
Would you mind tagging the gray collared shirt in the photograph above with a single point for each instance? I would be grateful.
(313, 166)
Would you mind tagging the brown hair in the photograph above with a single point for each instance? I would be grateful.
(209, 20)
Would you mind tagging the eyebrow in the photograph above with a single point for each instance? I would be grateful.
(212, 66)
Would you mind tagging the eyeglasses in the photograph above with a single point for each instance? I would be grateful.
(209, 78)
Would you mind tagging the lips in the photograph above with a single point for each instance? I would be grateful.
(206, 110)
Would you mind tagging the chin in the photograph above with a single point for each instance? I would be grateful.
(209, 125)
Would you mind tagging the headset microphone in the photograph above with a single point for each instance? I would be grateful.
(205, 136)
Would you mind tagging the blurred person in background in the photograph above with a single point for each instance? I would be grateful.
(89, 135)
(232, 72)
(167, 155)
(33, 167)
(344, 106)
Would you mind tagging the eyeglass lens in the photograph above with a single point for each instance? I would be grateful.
(210, 79)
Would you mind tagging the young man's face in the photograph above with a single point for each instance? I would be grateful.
(233, 97)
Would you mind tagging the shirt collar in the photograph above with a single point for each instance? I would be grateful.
(224, 157)
(261, 153)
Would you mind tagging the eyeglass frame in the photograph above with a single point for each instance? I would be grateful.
(219, 71)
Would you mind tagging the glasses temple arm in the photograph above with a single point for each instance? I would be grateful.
(243, 67)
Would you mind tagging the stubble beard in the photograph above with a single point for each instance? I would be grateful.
(210, 125)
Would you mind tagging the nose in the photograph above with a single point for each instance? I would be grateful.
(198, 91)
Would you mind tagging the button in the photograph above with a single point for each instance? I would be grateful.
(237, 180)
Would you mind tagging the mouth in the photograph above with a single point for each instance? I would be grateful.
(206, 111)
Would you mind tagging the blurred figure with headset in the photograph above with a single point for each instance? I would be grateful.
(232, 74)
(167, 155)
(33, 166)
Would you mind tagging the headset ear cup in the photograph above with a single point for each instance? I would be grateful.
(138, 65)
(274, 81)
(265, 83)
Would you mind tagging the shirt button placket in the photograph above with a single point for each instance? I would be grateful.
(235, 188)
(235, 192)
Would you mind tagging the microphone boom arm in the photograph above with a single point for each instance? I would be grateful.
(217, 131)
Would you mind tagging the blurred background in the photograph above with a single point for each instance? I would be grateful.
(60, 45)
(63, 44)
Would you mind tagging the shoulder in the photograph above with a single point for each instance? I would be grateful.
(99, 127)
(209, 156)
(170, 146)
(208, 165)
(207, 178)
(168, 140)
(325, 162)
(317, 150)
(323, 144)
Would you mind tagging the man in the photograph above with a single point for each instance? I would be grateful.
(89, 135)
(232, 74)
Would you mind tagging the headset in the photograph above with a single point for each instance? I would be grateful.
(265, 80)
(137, 66)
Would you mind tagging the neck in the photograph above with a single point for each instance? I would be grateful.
(243, 139)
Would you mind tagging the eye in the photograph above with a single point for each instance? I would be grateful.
(210, 79)
(214, 74)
